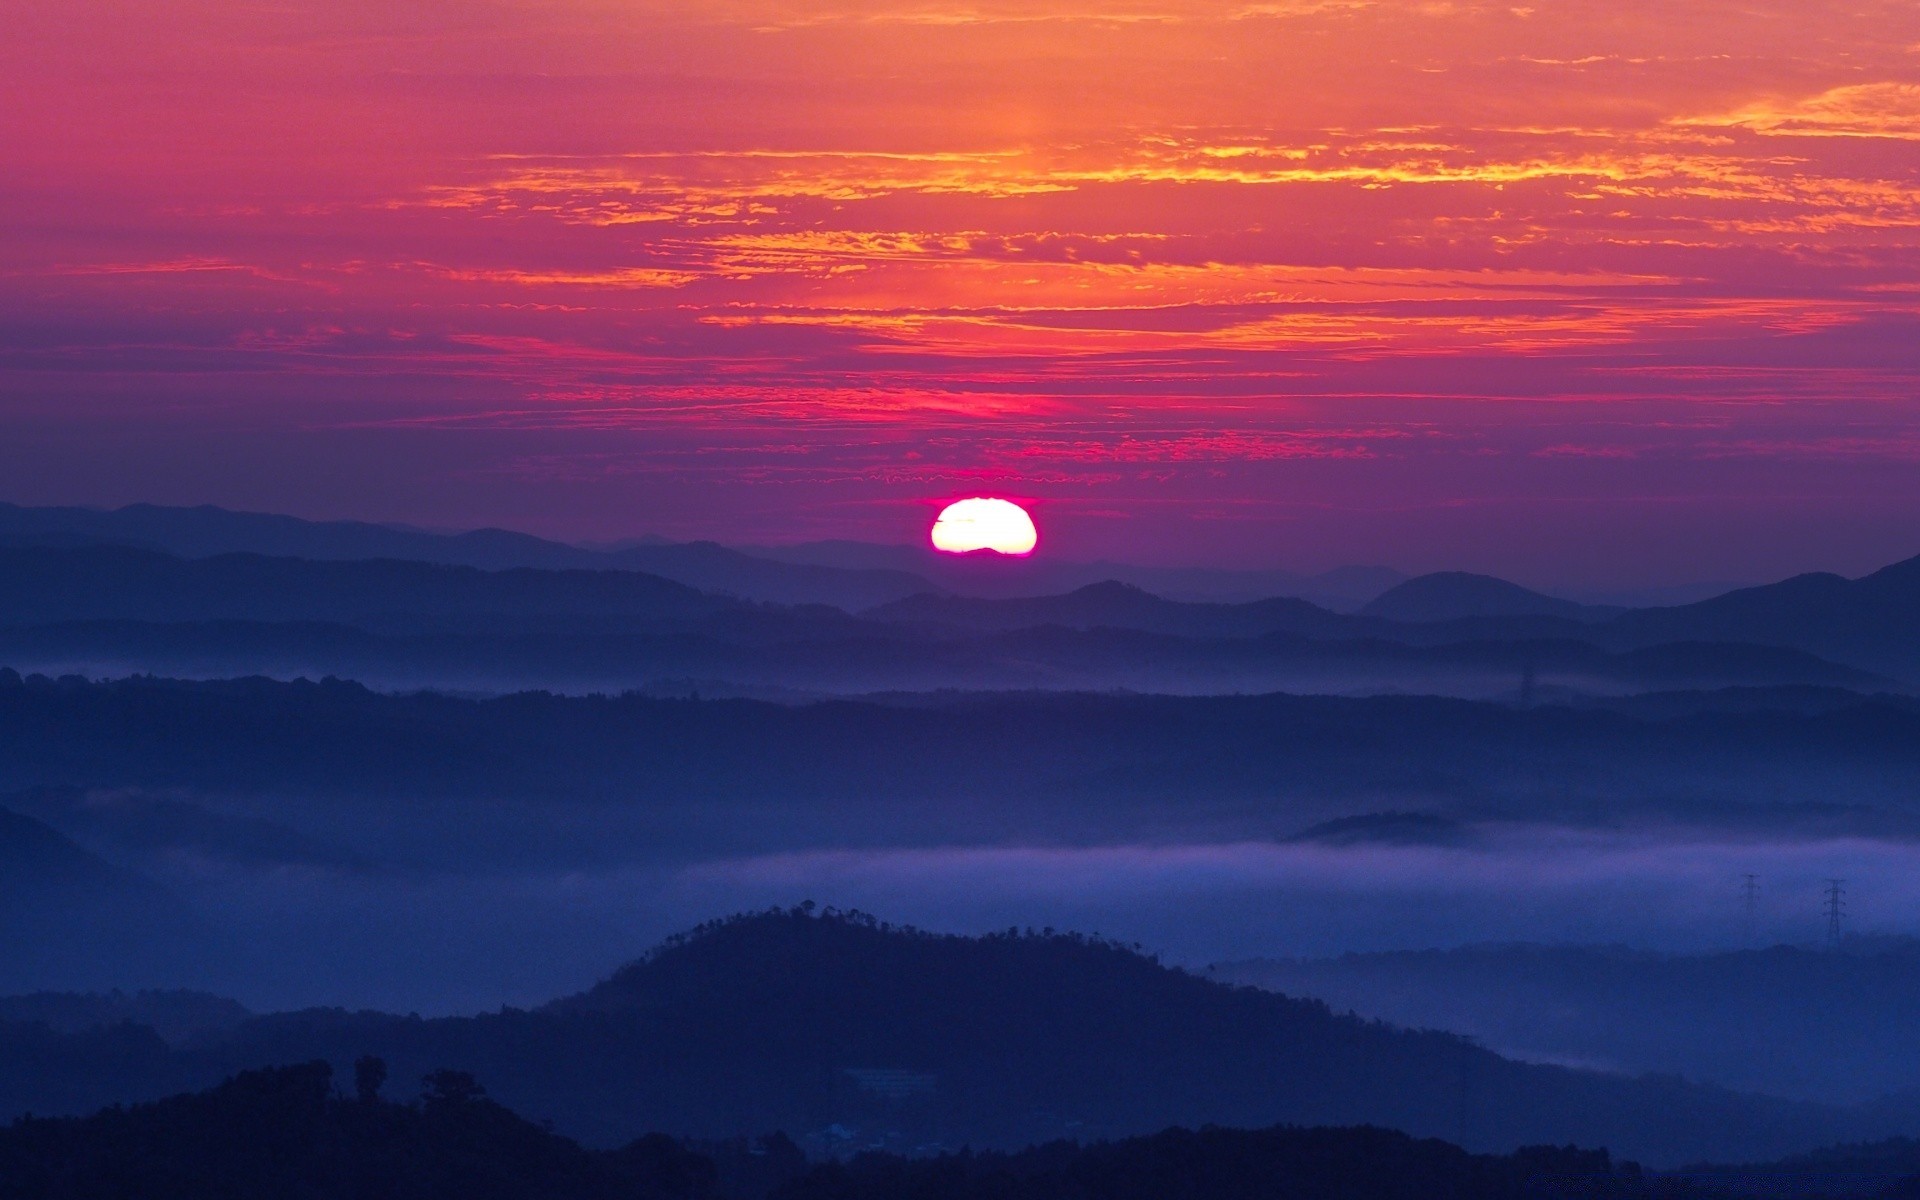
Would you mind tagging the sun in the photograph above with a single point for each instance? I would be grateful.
(983, 524)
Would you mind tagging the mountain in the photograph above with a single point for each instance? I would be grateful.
(208, 532)
(798, 1019)
(1867, 622)
(1697, 1015)
(177, 1015)
(994, 576)
(938, 770)
(1457, 595)
(296, 1131)
(110, 610)
(42, 584)
(287, 1131)
(1115, 605)
(1238, 1164)
(68, 918)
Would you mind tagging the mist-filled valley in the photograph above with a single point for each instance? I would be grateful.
(1453, 857)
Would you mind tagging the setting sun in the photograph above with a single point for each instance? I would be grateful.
(984, 524)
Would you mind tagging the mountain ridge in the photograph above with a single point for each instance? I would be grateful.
(767, 1020)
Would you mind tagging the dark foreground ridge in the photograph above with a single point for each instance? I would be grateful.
(810, 1022)
(288, 1131)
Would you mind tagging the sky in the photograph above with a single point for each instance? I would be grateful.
(1582, 292)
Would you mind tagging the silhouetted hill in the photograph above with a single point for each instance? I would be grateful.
(286, 1132)
(1837, 1027)
(290, 1132)
(1457, 595)
(1119, 606)
(1867, 622)
(990, 575)
(175, 1015)
(133, 825)
(1233, 1164)
(207, 532)
(818, 652)
(792, 1020)
(45, 584)
(715, 568)
(67, 914)
(1020, 763)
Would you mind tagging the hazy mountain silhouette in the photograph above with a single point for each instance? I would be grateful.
(1234, 1164)
(991, 575)
(176, 1015)
(1457, 595)
(1867, 622)
(144, 828)
(1862, 623)
(299, 1131)
(797, 1020)
(116, 609)
(287, 1131)
(66, 914)
(1837, 1027)
(1116, 605)
(1021, 763)
(42, 584)
(207, 532)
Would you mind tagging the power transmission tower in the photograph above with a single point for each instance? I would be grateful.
(1836, 908)
(1750, 887)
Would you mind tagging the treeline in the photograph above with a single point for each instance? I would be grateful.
(1072, 748)
(780, 1020)
(291, 1132)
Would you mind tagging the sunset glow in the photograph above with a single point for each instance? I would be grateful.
(982, 524)
(1331, 281)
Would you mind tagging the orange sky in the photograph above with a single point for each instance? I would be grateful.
(1572, 291)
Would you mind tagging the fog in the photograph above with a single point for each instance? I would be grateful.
(445, 942)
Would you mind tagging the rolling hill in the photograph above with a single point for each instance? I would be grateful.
(68, 915)
(1456, 595)
(796, 1020)
(208, 532)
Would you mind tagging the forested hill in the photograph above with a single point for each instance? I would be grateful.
(799, 1020)
(297, 1131)
(1119, 750)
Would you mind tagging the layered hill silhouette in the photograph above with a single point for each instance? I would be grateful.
(799, 1020)
(302, 1130)
(1341, 589)
(208, 532)
(287, 1131)
(66, 913)
(850, 575)
(1870, 620)
(1862, 624)
(117, 610)
(966, 768)
(1457, 595)
(48, 584)
(1865, 624)
(1838, 1026)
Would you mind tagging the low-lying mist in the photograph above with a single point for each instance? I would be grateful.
(441, 941)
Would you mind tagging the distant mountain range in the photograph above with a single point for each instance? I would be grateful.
(1342, 589)
(67, 914)
(1866, 624)
(207, 532)
(797, 1020)
(306, 1130)
(624, 779)
(75, 595)
(1458, 596)
(1838, 1027)
(849, 575)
